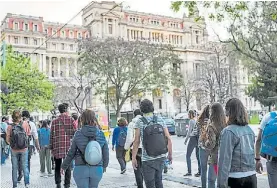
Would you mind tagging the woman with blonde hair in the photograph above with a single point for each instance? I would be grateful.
(85, 174)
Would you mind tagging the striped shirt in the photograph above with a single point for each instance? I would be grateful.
(140, 125)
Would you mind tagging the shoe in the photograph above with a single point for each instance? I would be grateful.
(123, 171)
(50, 174)
(42, 174)
(58, 186)
(198, 174)
(27, 186)
(66, 186)
(19, 178)
(187, 174)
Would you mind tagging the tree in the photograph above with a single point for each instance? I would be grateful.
(26, 87)
(186, 95)
(129, 67)
(76, 89)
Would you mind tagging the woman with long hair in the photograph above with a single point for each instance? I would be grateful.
(236, 163)
(203, 152)
(44, 153)
(192, 137)
(210, 142)
(87, 175)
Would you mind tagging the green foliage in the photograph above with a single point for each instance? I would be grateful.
(27, 87)
(130, 67)
(254, 119)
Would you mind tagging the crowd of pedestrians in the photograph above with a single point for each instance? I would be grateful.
(223, 141)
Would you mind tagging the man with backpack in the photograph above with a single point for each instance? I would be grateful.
(119, 139)
(17, 138)
(33, 138)
(266, 146)
(62, 131)
(156, 144)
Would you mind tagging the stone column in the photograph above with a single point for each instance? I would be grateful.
(75, 67)
(43, 62)
(59, 66)
(67, 68)
(50, 67)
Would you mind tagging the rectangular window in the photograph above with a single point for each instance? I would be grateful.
(71, 47)
(160, 104)
(16, 26)
(16, 40)
(62, 46)
(110, 28)
(71, 34)
(54, 46)
(79, 35)
(35, 42)
(35, 27)
(25, 40)
(26, 27)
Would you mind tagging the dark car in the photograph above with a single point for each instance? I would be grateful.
(170, 123)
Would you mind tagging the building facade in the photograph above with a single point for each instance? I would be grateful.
(53, 46)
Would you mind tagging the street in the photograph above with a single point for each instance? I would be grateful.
(113, 178)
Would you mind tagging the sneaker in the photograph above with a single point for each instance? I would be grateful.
(42, 174)
(187, 174)
(27, 185)
(50, 174)
(198, 174)
(123, 171)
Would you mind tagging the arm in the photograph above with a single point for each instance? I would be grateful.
(70, 155)
(105, 153)
(8, 136)
(34, 133)
(51, 137)
(169, 143)
(130, 136)
(259, 165)
(114, 137)
(136, 142)
(191, 124)
(227, 145)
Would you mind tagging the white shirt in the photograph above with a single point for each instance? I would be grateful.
(266, 120)
(130, 133)
(34, 132)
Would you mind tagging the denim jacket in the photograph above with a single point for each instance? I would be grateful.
(236, 153)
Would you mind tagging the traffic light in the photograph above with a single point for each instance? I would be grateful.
(3, 50)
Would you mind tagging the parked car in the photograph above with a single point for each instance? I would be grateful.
(170, 123)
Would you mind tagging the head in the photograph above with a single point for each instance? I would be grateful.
(74, 116)
(137, 112)
(217, 117)
(191, 114)
(16, 116)
(236, 113)
(25, 114)
(63, 108)
(122, 122)
(88, 117)
(5, 119)
(146, 106)
(44, 124)
(205, 113)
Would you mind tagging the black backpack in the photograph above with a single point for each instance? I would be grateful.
(154, 140)
(19, 138)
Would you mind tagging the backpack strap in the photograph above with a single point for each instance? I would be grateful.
(155, 119)
(144, 120)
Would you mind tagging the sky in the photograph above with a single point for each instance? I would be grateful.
(63, 10)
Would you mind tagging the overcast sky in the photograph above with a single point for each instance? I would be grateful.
(63, 10)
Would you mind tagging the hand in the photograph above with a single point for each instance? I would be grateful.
(62, 171)
(134, 163)
(104, 170)
(113, 148)
(259, 166)
(170, 157)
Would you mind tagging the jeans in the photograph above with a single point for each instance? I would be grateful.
(139, 173)
(20, 174)
(87, 176)
(272, 173)
(67, 176)
(23, 156)
(120, 155)
(203, 156)
(246, 182)
(211, 176)
(153, 172)
(4, 154)
(193, 144)
(45, 156)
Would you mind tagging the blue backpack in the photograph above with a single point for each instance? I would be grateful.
(122, 137)
(269, 137)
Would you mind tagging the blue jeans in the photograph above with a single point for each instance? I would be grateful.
(193, 144)
(23, 156)
(153, 173)
(87, 176)
(272, 173)
(203, 156)
(211, 177)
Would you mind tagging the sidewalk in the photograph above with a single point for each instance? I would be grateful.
(112, 178)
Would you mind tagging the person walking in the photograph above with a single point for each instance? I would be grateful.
(211, 140)
(203, 153)
(33, 139)
(87, 175)
(118, 142)
(62, 131)
(129, 143)
(268, 140)
(192, 137)
(17, 138)
(236, 163)
(152, 132)
(44, 154)
(4, 145)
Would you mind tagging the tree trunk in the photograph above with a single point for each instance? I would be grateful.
(118, 113)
